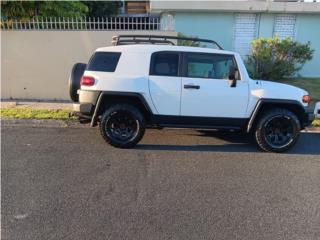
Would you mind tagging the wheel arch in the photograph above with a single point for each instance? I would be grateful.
(105, 99)
(265, 104)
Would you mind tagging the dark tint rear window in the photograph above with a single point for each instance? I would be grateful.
(165, 64)
(104, 61)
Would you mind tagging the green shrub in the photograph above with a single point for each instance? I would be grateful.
(275, 58)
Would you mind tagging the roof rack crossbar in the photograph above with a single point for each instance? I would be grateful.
(156, 39)
(140, 41)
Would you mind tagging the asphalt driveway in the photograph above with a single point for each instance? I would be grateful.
(67, 183)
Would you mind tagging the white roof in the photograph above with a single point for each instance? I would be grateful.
(144, 48)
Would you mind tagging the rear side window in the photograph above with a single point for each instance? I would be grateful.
(104, 61)
(164, 64)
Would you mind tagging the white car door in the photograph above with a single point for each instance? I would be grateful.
(165, 83)
(205, 87)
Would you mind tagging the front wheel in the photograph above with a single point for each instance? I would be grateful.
(122, 125)
(277, 130)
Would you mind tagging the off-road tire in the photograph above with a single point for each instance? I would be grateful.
(266, 118)
(132, 112)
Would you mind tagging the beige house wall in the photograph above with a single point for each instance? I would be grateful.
(37, 64)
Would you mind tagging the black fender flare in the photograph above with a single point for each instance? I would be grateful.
(114, 93)
(281, 102)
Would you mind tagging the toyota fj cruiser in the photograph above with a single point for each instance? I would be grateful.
(148, 81)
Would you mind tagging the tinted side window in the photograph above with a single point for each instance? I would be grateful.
(104, 61)
(214, 66)
(165, 64)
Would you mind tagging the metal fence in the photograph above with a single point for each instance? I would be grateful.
(94, 24)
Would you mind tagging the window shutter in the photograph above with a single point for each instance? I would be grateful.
(285, 25)
(245, 30)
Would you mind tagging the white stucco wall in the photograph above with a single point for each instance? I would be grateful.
(37, 64)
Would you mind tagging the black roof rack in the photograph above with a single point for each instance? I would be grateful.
(156, 39)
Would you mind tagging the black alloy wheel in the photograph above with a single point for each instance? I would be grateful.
(277, 130)
(122, 125)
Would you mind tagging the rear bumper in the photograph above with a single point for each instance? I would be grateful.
(84, 108)
(87, 101)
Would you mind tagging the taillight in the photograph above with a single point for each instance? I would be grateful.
(306, 99)
(87, 81)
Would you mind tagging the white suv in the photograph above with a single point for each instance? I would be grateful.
(148, 81)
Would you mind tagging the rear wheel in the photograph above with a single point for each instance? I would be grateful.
(122, 125)
(277, 130)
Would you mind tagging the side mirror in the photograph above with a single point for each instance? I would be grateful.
(232, 76)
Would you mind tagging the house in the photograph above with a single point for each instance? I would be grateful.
(234, 24)
(134, 8)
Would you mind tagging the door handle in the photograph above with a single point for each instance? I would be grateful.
(191, 86)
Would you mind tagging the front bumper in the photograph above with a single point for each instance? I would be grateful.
(308, 117)
(317, 110)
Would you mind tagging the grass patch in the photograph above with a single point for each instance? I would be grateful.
(312, 85)
(27, 113)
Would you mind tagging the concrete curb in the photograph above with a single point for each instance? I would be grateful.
(312, 129)
(42, 123)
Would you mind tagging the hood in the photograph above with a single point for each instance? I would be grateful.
(274, 90)
(281, 85)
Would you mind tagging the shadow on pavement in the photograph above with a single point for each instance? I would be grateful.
(308, 143)
(200, 148)
(235, 142)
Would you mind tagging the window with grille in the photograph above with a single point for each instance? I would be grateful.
(245, 30)
(285, 25)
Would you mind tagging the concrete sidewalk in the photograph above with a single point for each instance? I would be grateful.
(37, 105)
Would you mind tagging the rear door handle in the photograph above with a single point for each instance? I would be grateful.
(191, 86)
